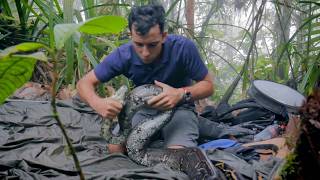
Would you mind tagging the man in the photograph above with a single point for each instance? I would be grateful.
(169, 61)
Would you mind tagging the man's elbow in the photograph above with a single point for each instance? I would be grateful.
(210, 88)
(87, 81)
(79, 85)
(210, 85)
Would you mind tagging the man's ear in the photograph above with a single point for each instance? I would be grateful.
(164, 36)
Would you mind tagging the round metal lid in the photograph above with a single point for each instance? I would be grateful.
(280, 93)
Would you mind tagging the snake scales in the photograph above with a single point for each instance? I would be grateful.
(192, 161)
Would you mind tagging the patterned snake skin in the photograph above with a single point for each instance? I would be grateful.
(192, 161)
(109, 124)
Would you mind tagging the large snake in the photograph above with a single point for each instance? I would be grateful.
(192, 161)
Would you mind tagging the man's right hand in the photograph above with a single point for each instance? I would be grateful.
(107, 107)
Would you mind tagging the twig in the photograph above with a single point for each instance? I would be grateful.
(56, 117)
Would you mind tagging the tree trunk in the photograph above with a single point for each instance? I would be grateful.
(190, 16)
(282, 29)
(305, 161)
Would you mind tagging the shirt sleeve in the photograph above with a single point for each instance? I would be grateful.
(110, 67)
(193, 63)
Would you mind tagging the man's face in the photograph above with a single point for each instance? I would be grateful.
(149, 46)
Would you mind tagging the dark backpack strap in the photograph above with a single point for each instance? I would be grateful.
(272, 147)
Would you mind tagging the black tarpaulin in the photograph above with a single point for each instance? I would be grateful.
(32, 145)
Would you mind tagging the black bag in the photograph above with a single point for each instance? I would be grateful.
(269, 102)
(251, 111)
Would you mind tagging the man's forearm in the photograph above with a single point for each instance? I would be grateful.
(87, 92)
(201, 89)
(86, 88)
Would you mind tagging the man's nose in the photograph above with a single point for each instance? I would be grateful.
(145, 51)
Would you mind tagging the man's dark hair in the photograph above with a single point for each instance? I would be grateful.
(143, 18)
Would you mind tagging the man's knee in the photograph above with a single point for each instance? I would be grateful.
(182, 130)
(181, 117)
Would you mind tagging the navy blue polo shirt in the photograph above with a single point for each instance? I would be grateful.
(179, 64)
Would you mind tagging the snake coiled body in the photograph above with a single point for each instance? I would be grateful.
(192, 161)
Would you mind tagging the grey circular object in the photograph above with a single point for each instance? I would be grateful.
(276, 97)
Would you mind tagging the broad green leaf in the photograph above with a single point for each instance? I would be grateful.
(29, 46)
(14, 72)
(62, 32)
(104, 25)
(23, 47)
(37, 56)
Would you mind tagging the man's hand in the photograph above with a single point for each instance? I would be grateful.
(168, 99)
(107, 107)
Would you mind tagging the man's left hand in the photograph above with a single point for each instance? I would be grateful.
(168, 99)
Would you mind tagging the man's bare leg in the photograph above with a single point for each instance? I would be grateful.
(116, 148)
(175, 147)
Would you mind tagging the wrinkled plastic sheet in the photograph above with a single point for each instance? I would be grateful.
(247, 170)
(32, 145)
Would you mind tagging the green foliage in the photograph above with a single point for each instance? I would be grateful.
(290, 166)
(95, 26)
(16, 69)
(14, 72)
(264, 68)
(24, 20)
(90, 13)
(311, 78)
(23, 47)
(63, 32)
(302, 47)
(45, 17)
(104, 25)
